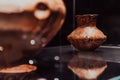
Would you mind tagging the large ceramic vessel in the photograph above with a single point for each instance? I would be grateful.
(26, 26)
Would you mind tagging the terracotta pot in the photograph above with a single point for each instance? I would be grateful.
(26, 26)
(86, 36)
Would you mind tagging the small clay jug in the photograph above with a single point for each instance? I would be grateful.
(86, 36)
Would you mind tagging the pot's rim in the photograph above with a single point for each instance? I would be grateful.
(79, 15)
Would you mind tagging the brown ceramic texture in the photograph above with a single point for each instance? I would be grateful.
(26, 29)
(86, 36)
(23, 68)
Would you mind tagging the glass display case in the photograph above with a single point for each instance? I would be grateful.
(108, 22)
(55, 59)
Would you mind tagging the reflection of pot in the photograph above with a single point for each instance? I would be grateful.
(87, 66)
(26, 26)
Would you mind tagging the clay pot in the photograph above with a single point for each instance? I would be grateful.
(26, 26)
(86, 36)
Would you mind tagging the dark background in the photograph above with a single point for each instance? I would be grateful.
(60, 38)
(108, 19)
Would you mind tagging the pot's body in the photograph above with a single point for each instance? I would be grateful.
(86, 36)
(25, 29)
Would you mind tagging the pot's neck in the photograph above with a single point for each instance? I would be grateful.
(86, 19)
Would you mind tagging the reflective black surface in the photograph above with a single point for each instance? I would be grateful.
(52, 64)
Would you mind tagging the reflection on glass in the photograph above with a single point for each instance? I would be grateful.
(87, 66)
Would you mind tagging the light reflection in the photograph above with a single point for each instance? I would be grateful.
(56, 78)
(57, 58)
(1, 48)
(32, 42)
(41, 79)
(31, 62)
